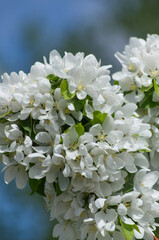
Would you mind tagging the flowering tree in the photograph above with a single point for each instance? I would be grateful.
(88, 147)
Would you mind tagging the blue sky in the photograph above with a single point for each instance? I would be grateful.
(55, 17)
(22, 217)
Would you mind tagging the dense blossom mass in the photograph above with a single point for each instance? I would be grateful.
(83, 145)
(139, 81)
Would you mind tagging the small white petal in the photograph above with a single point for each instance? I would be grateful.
(10, 174)
(21, 178)
(63, 182)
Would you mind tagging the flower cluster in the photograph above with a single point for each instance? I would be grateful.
(139, 81)
(80, 144)
(140, 68)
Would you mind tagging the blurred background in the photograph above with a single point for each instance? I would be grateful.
(29, 30)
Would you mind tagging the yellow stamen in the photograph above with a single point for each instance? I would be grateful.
(101, 137)
(67, 222)
(74, 146)
(48, 122)
(127, 205)
(34, 81)
(67, 111)
(40, 159)
(52, 143)
(32, 101)
(131, 67)
(20, 140)
(79, 175)
(63, 154)
(78, 158)
(43, 105)
(133, 87)
(6, 139)
(93, 229)
(50, 198)
(80, 87)
(153, 72)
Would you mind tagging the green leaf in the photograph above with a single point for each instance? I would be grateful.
(34, 183)
(145, 89)
(145, 150)
(26, 126)
(128, 186)
(37, 186)
(136, 228)
(78, 104)
(116, 82)
(55, 81)
(127, 230)
(3, 120)
(41, 187)
(57, 188)
(98, 117)
(147, 101)
(64, 90)
(5, 114)
(79, 129)
(156, 87)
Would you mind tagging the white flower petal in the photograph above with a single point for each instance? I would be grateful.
(43, 137)
(10, 174)
(63, 182)
(21, 178)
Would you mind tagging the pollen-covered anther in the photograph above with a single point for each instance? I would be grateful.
(43, 105)
(67, 222)
(40, 159)
(74, 146)
(133, 87)
(49, 197)
(101, 137)
(32, 101)
(67, 111)
(63, 154)
(55, 105)
(20, 140)
(153, 72)
(48, 122)
(6, 139)
(127, 204)
(52, 143)
(34, 81)
(104, 207)
(78, 158)
(132, 67)
(93, 229)
(80, 87)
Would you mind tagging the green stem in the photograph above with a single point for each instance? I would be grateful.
(5, 114)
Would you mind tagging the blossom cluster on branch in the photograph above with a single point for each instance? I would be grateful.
(89, 147)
